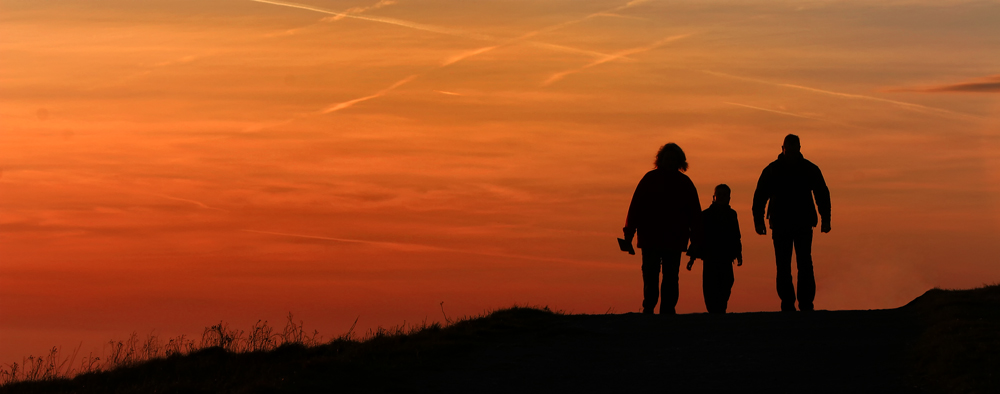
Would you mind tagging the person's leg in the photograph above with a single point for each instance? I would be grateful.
(726, 280)
(804, 265)
(707, 283)
(713, 280)
(650, 279)
(669, 292)
(783, 260)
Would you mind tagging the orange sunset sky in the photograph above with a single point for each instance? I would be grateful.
(168, 164)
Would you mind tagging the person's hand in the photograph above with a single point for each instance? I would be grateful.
(761, 229)
(629, 233)
(739, 260)
(825, 227)
(690, 263)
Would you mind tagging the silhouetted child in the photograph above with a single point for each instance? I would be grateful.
(720, 246)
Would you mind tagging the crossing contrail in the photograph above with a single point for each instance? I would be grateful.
(560, 75)
(601, 57)
(358, 10)
(461, 33)
(334, 18)
(391, 21)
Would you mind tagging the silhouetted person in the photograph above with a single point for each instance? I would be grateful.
(787, 187)
(718, 248)
(665, 212)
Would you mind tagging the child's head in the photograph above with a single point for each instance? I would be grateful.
(722, 194)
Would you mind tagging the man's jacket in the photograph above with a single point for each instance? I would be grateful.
(665, 210)
(786, 187)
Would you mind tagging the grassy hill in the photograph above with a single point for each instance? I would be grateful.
(944, 341)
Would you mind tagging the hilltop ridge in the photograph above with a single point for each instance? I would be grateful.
(943, 341)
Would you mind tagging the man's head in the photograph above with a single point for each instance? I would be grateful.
(671, 157)
(722, 194)
(791, 144)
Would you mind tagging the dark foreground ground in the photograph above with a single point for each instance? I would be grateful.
(944, 341)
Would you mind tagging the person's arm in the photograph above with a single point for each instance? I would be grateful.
(697, 224)
(760, 197)
(738, 245)
(822, 193)
(636, 209)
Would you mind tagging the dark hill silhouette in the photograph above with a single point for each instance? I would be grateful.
(944, 341)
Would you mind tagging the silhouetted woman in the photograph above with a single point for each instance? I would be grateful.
(667, 214)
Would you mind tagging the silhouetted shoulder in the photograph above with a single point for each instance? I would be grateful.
(807, 163)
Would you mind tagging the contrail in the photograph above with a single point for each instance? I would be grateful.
(198, 203)
(392, 245)
(563, 48)
(524, 37)
(358, 10)
(560, 75)
(794, 114)
(464, 55)
(454, 32)
(408, 247)
(346, 104)
(613, 15)
(774, 111)
(608, 12)
(334, 18)
(910, 106)
(333, 107)
(602, 57)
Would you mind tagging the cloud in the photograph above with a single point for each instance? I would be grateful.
(560, 75)
(990, 84)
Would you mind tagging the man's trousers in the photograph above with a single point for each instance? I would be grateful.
(801, 241)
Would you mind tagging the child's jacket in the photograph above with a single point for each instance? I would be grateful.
(721, 239)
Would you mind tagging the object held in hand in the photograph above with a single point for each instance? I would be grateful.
(625, 246)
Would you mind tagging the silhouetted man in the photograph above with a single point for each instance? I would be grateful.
(665, 212)
(787, 187)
